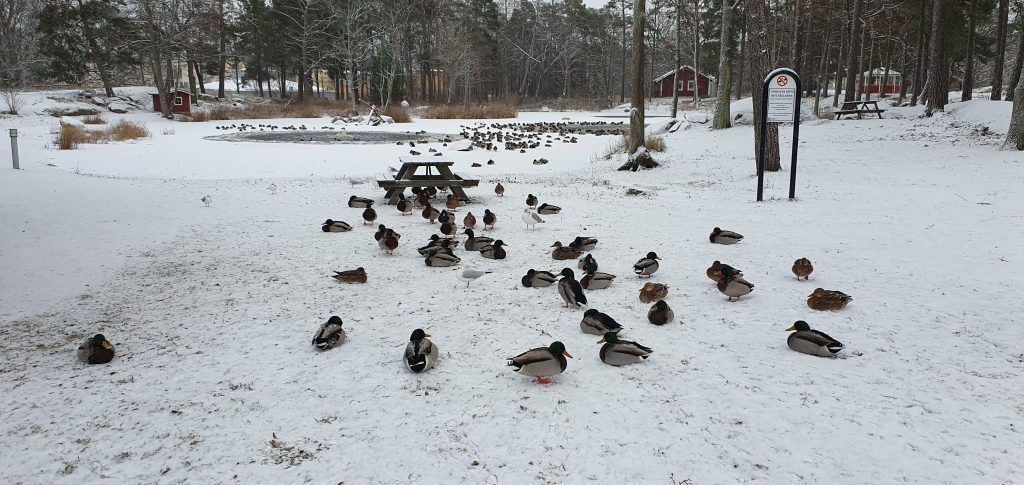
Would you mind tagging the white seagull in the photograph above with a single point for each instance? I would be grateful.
(531, 218)
(468, 275)
(273, 188)
(207, 199)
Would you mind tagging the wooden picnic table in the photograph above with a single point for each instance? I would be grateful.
(859, 108)
(444, 178)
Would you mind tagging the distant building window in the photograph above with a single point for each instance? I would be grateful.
(690, 85)
(178, 101)
(679, 85)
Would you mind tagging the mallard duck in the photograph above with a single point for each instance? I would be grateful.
(548, 209)
(437, 242)
(584, 243)
(429, 213)
(96, 350)
(449, 229)
(587, 260)
(812, 342)
(469, 221)
(452, 202)
(531, 218)
(647, 265)
(499, 190)
(494, 250)
(719, 236)
(422, 199)
(595, 280)
(404, 205)
(489, 220)
(330, 334)
(474, 242)
(357, 275)
(803, 268)
(541, 362)
(653, 291)
(733, 285)
(715, 271)
(597, 323)
(828, 299)
(570, 290)
(622, 352)
(531, 200)
(381, 230)
(441, 257)
(660, 313)
(538, 279)
(369, 215)
(331, 225)
(359, 202)
(564, 252)
(389, 242)
(446, 217)
(421, 354)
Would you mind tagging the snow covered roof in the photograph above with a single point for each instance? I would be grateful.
(880, 71)
(684, 66)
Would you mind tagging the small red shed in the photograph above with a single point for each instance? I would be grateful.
(884, 81)
(662, 85)
(181, 101)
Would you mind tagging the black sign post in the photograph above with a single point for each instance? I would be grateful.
(780, 102)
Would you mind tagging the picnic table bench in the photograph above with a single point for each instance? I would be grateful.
(858, 108)
(444, 178)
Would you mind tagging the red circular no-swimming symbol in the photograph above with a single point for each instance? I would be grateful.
(782, 80)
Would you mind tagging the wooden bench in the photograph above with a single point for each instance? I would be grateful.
(443, 179)
(858, 108)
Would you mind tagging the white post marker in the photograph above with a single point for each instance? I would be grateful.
(14, 148)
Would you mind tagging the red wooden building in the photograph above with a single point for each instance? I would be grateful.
(661, 87)
(893, 80)
(181, 102)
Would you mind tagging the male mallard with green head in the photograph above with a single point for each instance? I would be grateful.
(96, 350)
(541, 362)
(420, 354)
(660, 313)
(622, 352)
(812, 342)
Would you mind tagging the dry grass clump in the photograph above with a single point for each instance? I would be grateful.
(487, 111)
(94, 120)
(566, 104)
(125, 130)
(398, 113)
(652, 143)
(71, 136)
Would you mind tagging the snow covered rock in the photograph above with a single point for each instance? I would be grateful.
(697, 117)
(405, 103)
(118, 107)
(387, 119)
(67, 120)
(100, 101)
(461, 146)
(545, 109)
(742, 111)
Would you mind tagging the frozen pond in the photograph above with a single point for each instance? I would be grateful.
(331, 136)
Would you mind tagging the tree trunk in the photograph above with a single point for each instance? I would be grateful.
(969, 67)
(199, 75)
(760, 66)
(622, 91)
(839, 70)
(796, 61)
(923, 42)
(191, 77)
(696, 53)
(743, 52)
(222, 72)
(722, 113)
(851, 57)
(997, 68)
(636, 116)
(868, 80)
(937, 85)
(94, 51)
(679, 60)
(821, 77)
(282, 81)
(1015, 135)
(1015, 77)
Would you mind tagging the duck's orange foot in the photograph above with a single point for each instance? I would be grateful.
(541, 380)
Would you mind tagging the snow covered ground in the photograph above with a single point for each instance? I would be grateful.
(212, 311)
